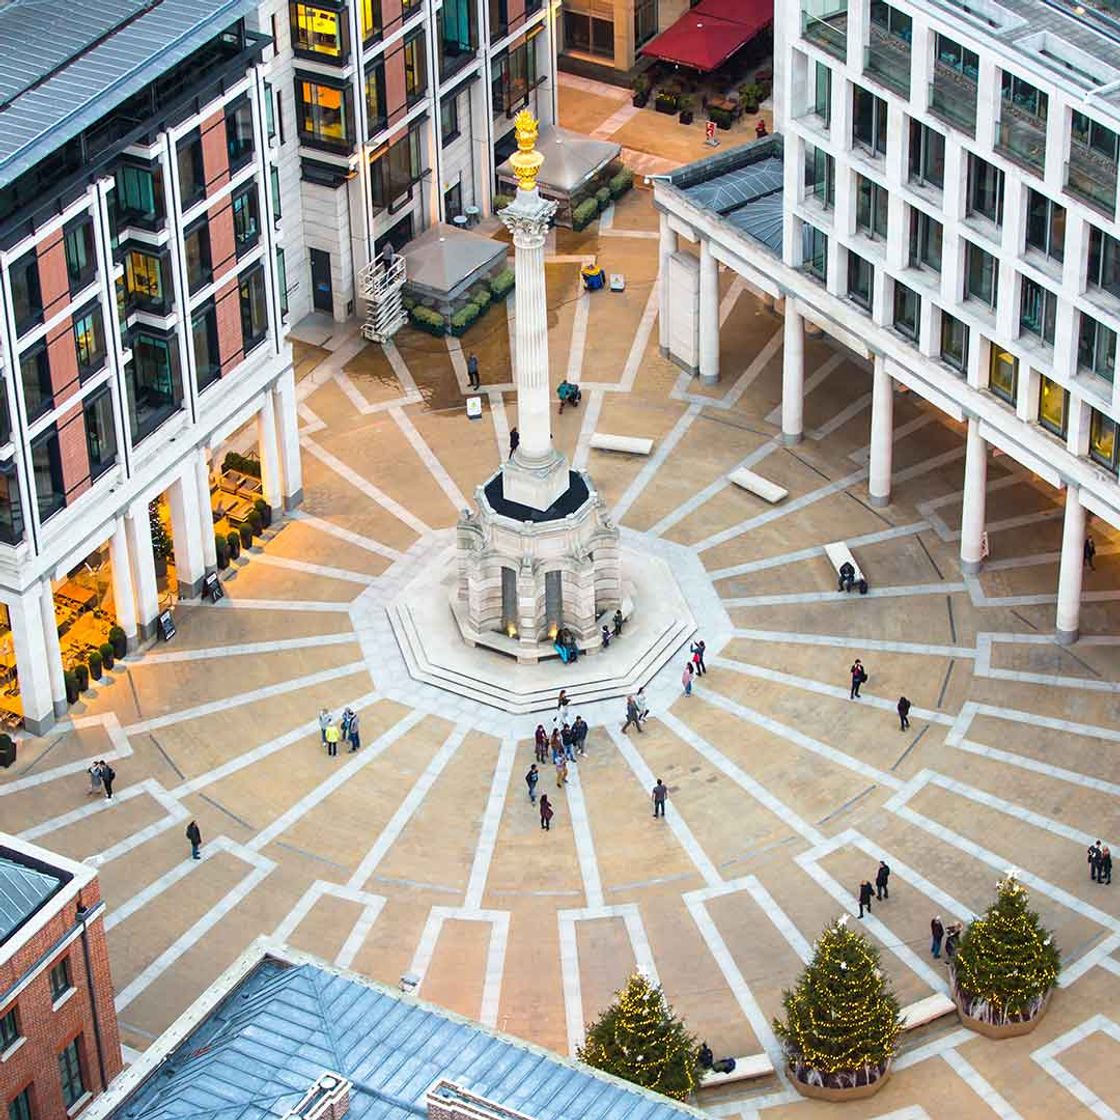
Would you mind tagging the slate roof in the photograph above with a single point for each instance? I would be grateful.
(64, 64)
(443, 257)
(284, 1025)
(23, 891)
(569, 158)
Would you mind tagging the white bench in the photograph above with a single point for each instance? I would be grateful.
(756, 484)
(839, 554)
(746, 1069)
(631, 445)
(926, 1010)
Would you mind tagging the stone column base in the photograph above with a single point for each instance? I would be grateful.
(1066, 637)
(792, 439)
(971, 567)
(709, 379)
(38, 726)
(294, 500)
(190, 590)
(60, 708)
(879, 500)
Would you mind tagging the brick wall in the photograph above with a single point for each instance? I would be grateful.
(215, 154)
(48, 1031)
(223, 248)
(227, 306)
(63, 359)
(395, 97)
(74, 453)
(54, 284)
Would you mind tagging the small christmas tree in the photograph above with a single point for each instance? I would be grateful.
(842, 1019)
(1006, 963)
(639, 1039)
(161, 541)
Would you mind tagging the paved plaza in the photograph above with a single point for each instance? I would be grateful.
(422, 852)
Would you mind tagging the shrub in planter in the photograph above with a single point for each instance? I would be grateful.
(842, 1020)
(603, 198)
(764, 89)
(621, 182)
(665, 102)
(233, 540)
(234, 461)
(502, 284)
(749, 107)
(221, 551)
(684, 103)
(265, 510)
(481, 298)
(721, 117)
(430, 320)
(7, 751)
(106, 651)
(119, 641)
(72, 690)
(584, 214)
(1007, 963)
(408, 302)
(640, 100)
(95, 666)
(246, 534)
(81, 675)
(463, 319)
(256, 522)
(764, 75)
(501, 201)
(640, 84)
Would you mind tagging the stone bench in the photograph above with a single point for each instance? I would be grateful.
(756, 484)
(838, 554)
(926, 1011)
(630, 445)
(746, 1069)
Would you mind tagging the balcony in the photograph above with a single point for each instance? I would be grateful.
(887, 60)
(828, 31)
(952, 98)
(1022, 138)
(1091, 176)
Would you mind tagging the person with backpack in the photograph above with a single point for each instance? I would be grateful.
(194, 835)
(881, 877)
(859, 676)
(903, 713)
(1094, 860)
(108, 777)
(697, 651)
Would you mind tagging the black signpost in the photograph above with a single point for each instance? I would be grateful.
(212, 587)
(166, 626)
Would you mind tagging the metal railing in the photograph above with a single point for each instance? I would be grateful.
(1022, 138)
(829, 32)
(952, 97)
(887, 59)
(1092, 177)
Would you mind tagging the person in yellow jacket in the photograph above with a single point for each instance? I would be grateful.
(332, 736)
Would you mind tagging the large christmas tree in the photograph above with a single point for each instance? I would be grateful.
(638, 1038)
(842, 1019)
(1006, 963)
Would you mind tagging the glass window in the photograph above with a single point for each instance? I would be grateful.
(27, 299)
(60, 979)
(20, 1106)
(860, 280)
(139, 196)
(891, 20)
(907, 311)
(70, 1073)
(814, 249)
(239, 134)
(11, 512)
(415, 68)
(254, 309)
(954, 341)
(395, 170)
(318, 31)
(925, 241)
(869, 121)
(1046, 226)
(1096, 348)
(513, 76)
(499, 17)
(820, 176)
(985, 190)
(927, 155)
(81, 263)
(153, 383)
(1053, 406)
(449, 119)
(456, 34)
(1088, 133)
(9, 1029)
(323, 114)
(981, 275)
(282, 281)
(1037, 311)
(1104, 261)
(1104, 448)
(645, 21)
(871, 207)
(269, 111)
(144, 275)
(204, 339)
(197, 244)
(958, 58)
(35, 373)
(1003, 374)
(375, 97)
(101, 437)
(192, 176)
(246, 219)
(822, 93)
(1023, 96)
(89, 340)
(274, 178)
(589, 34)
(370, 13)
(50, 497)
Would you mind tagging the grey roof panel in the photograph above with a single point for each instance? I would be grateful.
(23, 891)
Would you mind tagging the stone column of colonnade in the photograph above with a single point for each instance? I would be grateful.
(667, 246)
(53, 648)
(882, 434)
(973, 498)
(1070, 569)
(793, 374)
(142, 568)
(709, 315)
(124, 598)
(287, 422)
(33, 662)
(269, 448)
(206, 518)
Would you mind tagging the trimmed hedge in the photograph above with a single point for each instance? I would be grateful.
(481, 296)
(621, 183)
(502, 284)
(603, 198)
(501, 201)
(430, 320)
(234, 461)
(584, 214)
(463, 319)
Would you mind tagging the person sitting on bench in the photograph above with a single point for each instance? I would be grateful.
(568, 394)
(847, 576)
(565, 646)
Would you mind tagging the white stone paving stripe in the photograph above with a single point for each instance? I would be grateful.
(594, 407)
(429, 458)
(641, 338)
(344, 575)
(845, 642)
(458, 363)
(655, 462)
(501, 423)
(400, 367)
(358, 934)
(579, 337)
(277, 645)
(303, 605)
(841, 599)
(120, 748)
(491, 819)
(322, 525)
(780, 919)
(1047, 1057)
(585, 843)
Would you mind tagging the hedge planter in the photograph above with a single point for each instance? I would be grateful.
(7, 751)
(81, 675)
(95, 666)
(1013, 1029)
(640, 100)
(833, 1092)
(666, 103)
(72, 690)
(106, 651)
(246, 536)
(119, 641)
(234, 541)
(265, 510)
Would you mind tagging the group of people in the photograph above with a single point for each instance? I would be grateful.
(637, 710)
(859, 678)
(881, 890)
(694, 666)
(614, 630)
(1100, 863)
(101, 777)
(344, 731)
(951, 936)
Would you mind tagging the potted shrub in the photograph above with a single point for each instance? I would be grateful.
(106, 651)
(584, 214)
(94, 661)
(748, 99)
(842, 1020)
(1005, 967)
(7, 751)
(463, 319)
(721, 117)
(502, 284)
(246, 533)
(621, 183)
(640, 86)
(72, 690)
(265, 510)
(482, 299)
(430, 320)
(81, 675)
(684, 103)
(233, 539)
(256, 523)
(665, 101)
(119, 640)
(221, 552)
(603, 198)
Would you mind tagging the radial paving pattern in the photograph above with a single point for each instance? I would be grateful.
(422, 852)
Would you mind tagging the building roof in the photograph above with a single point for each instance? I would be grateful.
(258, 1051)
(708, 35)
(64, 64)
(24, 889)
(442, 258)
(569, 159)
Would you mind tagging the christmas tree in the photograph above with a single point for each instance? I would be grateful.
(161, 541)
(639, 1039)
(1006, 962)
(842, 1019)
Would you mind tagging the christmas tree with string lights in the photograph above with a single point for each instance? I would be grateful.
(1006, 963)
(161, 539)
(841, 1020)
(639, 1039)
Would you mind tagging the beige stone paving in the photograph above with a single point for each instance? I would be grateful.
(455, 977)
(299, 541)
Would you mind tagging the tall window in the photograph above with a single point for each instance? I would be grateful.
(50, 497)
(20, 1106)
(282, 281)
(1046, 226)
(239, 133)
(822, 93)
(927, 155)
(860, 280)
(254, 309)
(925, 241)
(370, 13)
(415, 68)
(814, 252)
(27, 299)
(139, 196)
(589, 34)
(954, 342)
(907, 311)
(820, 176)
(871, 207)
(323, 114)
(274, 180)
(1104, 447)
(513, 76)
(81, 264)
(70, 1073)
(246, 219)
(1104, 262)
(1096, 348)
(153, 383)
(395, 170)
(645, 21)
(457, 35)
(375, 96)
(1003, 374)
(449, 119)
(981, 275)
(35, 373)
(204, 340)
(985, 190)
(192, 175)
(1053, 406)
(1038, 309)
(89, 340)
(144, 274)
(11, 511)
(101, 440)
(9, 1029)
(199, 266)
(869, 121)
(318, 30)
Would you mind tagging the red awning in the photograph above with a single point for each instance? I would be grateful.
(711, 33)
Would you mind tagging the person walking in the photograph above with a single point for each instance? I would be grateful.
(352, 732)
(546, 812)
(858, 677)
(640, 700)
(686, 678)
(605, 636)
(579, 735)
(1104, 872)
(108, 777)
(936, 933)
(865, 896)
(540, 740)
(531, 779)
(555, 746)
(1088, 552)
(1094, 855)
(514, 441)
(194, 835)
(567, 741)
(333, 736)
(697, 650)
(633, 715)
(324, 722)
(562, 706)
(94, 779)
(903, 713)
(561, 770)
(618, 621)
(881, 877)
(472, 370)
(660, 792)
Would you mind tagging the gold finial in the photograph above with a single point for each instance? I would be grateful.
(526, 160)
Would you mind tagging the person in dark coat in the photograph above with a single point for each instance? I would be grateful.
(1094, 857)
(660, 792)
(1089, 551)
(881, 877)
(108, 777)
(546, 813)
(531, 778)
(618, 621)
(567, 741)
(952, 936)
(903, 713)
(858, 677)
(194, 835)
(936, 933)
(1104, 872)
(697, 651)
(865, 896)
(579, 734)
(472, 370)
(633, 716)
(514, 441)
(540, 738)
